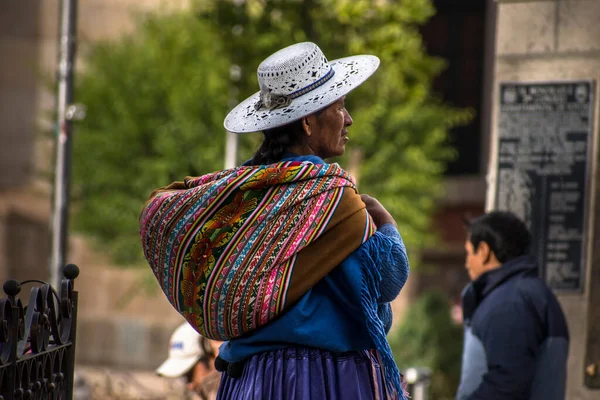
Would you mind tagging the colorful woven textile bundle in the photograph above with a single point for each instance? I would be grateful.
(232, 249)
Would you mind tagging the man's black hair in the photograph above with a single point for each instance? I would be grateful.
(507, 236)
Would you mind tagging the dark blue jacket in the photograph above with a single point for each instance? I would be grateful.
(516, 338)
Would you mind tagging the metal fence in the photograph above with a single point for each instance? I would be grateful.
(37, 340)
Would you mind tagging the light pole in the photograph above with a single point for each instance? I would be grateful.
(231, 150)
(66, 112)
(231, 145)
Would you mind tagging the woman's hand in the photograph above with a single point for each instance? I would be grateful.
(380, 215)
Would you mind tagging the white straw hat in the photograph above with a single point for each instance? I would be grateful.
(184, 352)
(295, 82)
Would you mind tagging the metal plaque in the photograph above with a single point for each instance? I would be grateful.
(544, 159)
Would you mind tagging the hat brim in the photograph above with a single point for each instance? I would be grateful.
(176, 367)
(350, 72)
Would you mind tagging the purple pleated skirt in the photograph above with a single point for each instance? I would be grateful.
(307, 374)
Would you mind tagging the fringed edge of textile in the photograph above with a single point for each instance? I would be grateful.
(369, 295)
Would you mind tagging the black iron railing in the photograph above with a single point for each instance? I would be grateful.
(37, 340)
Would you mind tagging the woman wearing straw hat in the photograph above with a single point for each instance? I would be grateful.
(281, 257)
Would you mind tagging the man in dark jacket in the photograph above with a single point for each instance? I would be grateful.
(516, 338)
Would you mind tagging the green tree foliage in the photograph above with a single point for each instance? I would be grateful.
(428, 338)
(157, 100)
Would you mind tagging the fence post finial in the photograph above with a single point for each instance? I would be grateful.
(12, 287)
(71, 271)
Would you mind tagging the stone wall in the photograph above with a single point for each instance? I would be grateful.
(19, 69)
(550, 41)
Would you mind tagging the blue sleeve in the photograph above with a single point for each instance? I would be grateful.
(387, 254)
(511, 337)
(394, 269)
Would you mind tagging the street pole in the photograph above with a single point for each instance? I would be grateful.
(231, 144)
(66, 112)
(231, 150)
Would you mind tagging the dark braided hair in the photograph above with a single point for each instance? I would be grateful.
(278, 141)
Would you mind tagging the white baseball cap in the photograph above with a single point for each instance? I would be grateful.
(184, 352)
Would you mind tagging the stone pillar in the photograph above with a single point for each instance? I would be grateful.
(549, 41)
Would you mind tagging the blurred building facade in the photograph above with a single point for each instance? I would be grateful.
(550, 41)
(484, 41)
(519, 41)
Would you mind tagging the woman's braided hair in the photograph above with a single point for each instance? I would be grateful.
(277, 143)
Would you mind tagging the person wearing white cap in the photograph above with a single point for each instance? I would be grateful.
(192, 356)
(282, 257)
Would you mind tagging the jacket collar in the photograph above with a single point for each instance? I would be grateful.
(477, 290)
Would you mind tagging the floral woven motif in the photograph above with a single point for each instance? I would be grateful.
(232, 249)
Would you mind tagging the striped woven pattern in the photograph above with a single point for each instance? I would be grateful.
(224, 246)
